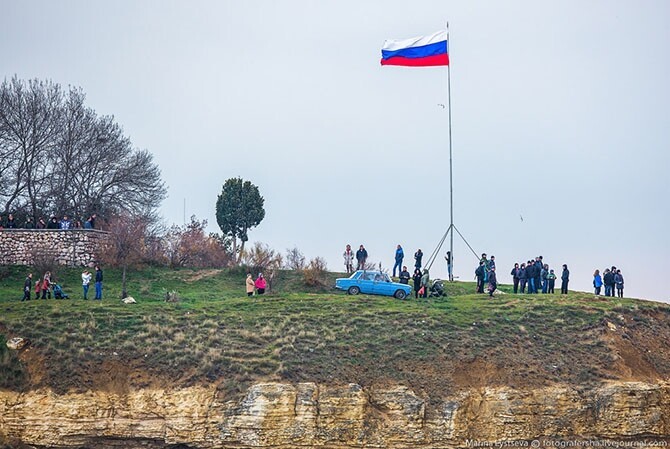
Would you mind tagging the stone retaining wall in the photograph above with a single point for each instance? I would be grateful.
(76, 247)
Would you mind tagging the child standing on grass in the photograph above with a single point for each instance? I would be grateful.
(27, 287)
(250, 285)
(551, 280)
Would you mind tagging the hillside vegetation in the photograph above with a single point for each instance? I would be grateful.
(216, 334)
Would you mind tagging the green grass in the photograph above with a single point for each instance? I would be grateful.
(217, 334)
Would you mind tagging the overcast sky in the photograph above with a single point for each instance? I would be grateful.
(561, 115)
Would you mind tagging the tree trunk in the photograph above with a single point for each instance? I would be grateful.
(124, 293)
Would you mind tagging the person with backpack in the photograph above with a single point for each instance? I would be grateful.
(597, 282)
(515, 277)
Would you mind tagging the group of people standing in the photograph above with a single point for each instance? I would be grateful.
(485, 274)
(538, 277)
(612, 279)
(54, 223)
(45, 285)
(258, 286)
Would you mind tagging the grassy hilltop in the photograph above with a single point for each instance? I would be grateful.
(216, 334)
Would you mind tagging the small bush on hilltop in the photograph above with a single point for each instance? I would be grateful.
(315, 275)
(295, 260)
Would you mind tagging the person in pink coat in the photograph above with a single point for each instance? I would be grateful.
(260, 284)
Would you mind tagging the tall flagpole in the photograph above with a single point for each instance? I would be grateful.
(451, 173)
(452, 227)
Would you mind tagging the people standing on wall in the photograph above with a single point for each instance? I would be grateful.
(565, 278)
(27, 287)
(85, 281)
(11, 222)
(98, 283)
(65, 224)
(399, 256)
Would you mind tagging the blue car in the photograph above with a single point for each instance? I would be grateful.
(372, 283)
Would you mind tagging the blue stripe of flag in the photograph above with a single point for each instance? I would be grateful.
(417, 52)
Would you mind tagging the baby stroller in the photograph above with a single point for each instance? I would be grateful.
(59, 293)
(437, 289)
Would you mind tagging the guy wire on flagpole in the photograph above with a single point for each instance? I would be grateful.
(452, 227)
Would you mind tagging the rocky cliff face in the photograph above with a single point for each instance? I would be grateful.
(349, 416)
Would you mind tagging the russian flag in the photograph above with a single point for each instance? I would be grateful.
(422, 51)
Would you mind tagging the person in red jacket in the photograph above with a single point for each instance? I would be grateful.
(260, 284)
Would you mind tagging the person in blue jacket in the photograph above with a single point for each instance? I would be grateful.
(597, 282)
(399, 256)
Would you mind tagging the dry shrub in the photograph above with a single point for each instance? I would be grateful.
(189, 246)
(260, 258)
(295, 259)
(43, 261)
(315, 273)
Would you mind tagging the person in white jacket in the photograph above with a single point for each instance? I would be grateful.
(85, 280)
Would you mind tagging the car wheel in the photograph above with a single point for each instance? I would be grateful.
(353, 290)
(400, 294)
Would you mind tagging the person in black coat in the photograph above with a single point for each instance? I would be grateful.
(565, 278)
(361, 257)
(27, 287)
(480, 273)
(515, 277)
(523, 277)
(417, 282)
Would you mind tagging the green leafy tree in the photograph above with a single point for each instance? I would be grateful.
(239, 208)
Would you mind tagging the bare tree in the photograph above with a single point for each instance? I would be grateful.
(59, 156)
(127, 242)
(30, 118)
